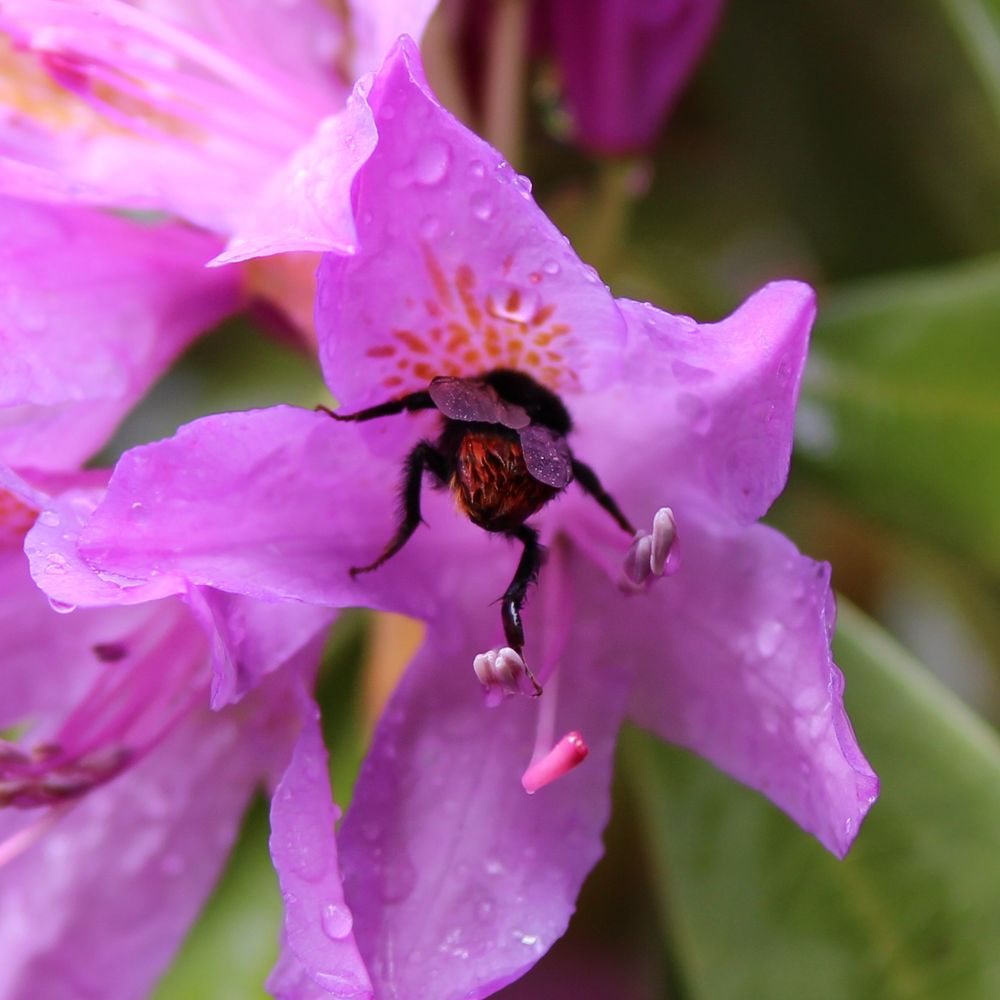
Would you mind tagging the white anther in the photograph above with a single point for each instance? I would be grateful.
(502, 672)
(663, 539)
(653, 553)
(638, 558)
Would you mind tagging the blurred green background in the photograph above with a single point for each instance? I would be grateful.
(855, 144)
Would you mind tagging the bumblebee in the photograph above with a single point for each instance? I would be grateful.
(504, 454)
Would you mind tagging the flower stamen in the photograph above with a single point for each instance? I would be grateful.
(503, 672)
(653, 553)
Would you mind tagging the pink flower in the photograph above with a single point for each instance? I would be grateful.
(94, 309)
(235, 116)
(456, 880)
(121, 797)
(623, 64)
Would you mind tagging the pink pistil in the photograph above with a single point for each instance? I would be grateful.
(560, 760)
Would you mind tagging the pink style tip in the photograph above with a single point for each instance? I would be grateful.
(561, 759)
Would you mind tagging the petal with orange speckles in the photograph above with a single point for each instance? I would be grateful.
(480, 278)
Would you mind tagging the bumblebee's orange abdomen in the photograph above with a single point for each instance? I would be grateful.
(492, 484)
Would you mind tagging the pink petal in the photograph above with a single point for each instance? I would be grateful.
(250, 639)
(34, 634)
(98, 307)
(136, 110)
(737, 667)
(318, 924)
(98, 906)
(479, 277)
(377, 24)
(274, 504)
(458, 880)
(306, 204)
(702, 410)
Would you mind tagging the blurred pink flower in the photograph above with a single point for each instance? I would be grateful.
(124, 790)
(94, 309)
(236, 115)
(455, 881)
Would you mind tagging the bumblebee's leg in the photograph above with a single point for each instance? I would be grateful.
(424, 456)
(407, 404)
(591, 485)
(514, 597)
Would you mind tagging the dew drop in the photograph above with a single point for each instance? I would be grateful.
(769, 637)
(336, 921)
(551, 267)
(523, 183)
(62, 607)
(56, 564)
(482, 205)
(136, 505)
(49, 518)
(432, 161)
(477, 169)
(519, 305)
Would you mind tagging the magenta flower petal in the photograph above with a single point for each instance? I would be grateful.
(99, 904)
(146, 113)
(273, 504)
(318, 923)
(624, 63)
(71, 646)
(377, 24)
(230, 115)
(458, 880)
(99, 308)
(480, 278)
(705, 409)
(251, 638)
(306, 204)
(738, 668)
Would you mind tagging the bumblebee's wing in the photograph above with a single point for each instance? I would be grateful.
(472, 401)
(547, 455)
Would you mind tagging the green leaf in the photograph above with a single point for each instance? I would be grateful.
(977, 25)
(759, 910)
(901, 407)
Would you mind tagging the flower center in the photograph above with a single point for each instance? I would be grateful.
(468, 328)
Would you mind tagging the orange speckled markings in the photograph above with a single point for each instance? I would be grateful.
(469, 328)
(16, 517)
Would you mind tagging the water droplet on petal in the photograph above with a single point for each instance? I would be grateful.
(63, 607)
(551, 267)
(336, 921)
(432, 161)
(482, 205)
(519, 305)
(769, 637)
(56, 564)
(477, 169)
(49, 518)
(523, 183)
